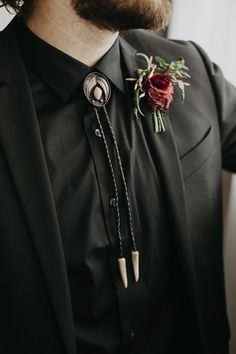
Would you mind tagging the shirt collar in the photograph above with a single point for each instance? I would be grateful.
(62, 73)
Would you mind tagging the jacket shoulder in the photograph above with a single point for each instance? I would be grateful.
(152, 44)
(10, 57)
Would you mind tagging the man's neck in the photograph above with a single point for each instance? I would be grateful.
(57, 23)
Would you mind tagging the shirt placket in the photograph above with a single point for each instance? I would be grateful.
(127, 298)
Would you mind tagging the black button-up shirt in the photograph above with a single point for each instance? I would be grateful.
(107, 317)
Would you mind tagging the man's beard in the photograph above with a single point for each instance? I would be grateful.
(119, 15)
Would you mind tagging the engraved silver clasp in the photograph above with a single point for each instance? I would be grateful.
(97, 89)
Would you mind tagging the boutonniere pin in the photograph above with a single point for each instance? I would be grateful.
(155, 87)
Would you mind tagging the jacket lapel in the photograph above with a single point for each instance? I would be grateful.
(21, 144)
(164, 148)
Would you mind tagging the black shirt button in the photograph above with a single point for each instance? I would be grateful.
(98, 133)
(112, 202)
(132, 335)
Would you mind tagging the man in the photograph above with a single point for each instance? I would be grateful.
(110, 233)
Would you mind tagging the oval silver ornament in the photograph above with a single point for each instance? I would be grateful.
(97, 89)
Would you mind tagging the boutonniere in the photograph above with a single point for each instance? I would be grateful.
(155, 87)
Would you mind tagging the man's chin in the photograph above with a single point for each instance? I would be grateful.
(114, 15)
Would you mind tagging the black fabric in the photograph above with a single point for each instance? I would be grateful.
(36, 305)
(107, 318)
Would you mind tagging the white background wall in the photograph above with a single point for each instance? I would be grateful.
(212, 24)
(5, 17)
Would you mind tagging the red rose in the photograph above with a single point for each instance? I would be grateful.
(159, 91)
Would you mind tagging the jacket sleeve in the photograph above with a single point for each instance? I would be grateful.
(225, 96)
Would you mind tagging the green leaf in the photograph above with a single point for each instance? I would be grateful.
(161, 62)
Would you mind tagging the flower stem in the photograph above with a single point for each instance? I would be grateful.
(145, 57)
(161, 122)
(155, 120)
(158, 122)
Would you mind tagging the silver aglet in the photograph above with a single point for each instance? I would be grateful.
(135, 261)
(123, 271)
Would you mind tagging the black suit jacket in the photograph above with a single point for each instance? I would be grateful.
(35, 308)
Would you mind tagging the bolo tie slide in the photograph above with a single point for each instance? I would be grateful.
(97, 90)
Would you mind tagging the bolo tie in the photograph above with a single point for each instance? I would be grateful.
(97, 90)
